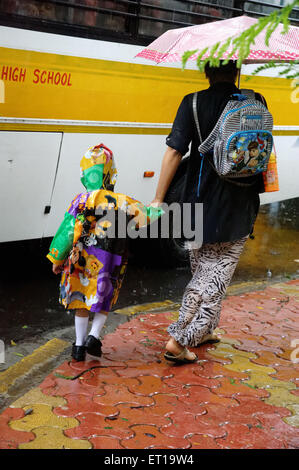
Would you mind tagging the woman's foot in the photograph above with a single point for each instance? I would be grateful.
(210, 338)
(174, 348)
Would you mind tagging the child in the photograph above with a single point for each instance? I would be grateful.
(92, 261)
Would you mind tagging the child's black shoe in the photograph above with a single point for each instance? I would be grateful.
(78, 353)
(93, 346)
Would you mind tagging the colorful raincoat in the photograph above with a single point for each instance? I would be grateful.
(91, 243)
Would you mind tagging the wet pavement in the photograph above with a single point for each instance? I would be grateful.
(29, 290)
(241, 394)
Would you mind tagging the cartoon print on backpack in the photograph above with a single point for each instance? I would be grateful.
(251, 152)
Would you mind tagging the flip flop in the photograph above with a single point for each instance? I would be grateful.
(209, 339)
(180, 358)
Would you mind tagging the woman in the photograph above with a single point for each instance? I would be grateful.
(229, 213)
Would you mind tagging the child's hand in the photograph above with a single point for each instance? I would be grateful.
(57, 268)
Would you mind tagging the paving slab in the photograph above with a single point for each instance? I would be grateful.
(241, 394)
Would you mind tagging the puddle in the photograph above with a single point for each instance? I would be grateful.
(29, 290)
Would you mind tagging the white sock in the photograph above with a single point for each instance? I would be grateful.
(81, 325)
(97, 324)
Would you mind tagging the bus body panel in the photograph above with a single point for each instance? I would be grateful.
(57, 100)
(28, 162)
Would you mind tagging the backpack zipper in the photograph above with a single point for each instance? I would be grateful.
(234, 111)
(251, 131)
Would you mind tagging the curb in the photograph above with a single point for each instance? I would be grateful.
(34, 361)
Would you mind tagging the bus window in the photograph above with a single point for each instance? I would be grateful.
(166, 10)
(17, 7)
(103, 14)
(133, 21)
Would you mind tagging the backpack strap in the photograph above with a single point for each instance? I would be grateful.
(194, 105)
(249, 93)
(195, 114)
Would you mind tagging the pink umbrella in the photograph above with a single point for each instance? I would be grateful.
(170, 46)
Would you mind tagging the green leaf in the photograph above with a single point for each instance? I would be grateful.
(18, 354)
(187, 56)
(250, 386)
(61, 376)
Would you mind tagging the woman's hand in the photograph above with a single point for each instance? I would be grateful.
(156, 203)
(57, 268)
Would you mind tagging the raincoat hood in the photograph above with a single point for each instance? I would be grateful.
(98, 169)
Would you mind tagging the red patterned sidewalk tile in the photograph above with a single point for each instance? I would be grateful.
(128, 416)
(60, 387)
(233, 388)
(286, 354)
(92, 425)
(287, 374)
(241, 436)
(8, 445)
(99, 362)
(168, 404)
(280, 430)
(149, 437)
(255, 406)
(165, 404)
(149, 386)
(202, 395)
(132, 398)
(8, 436)
(184, 424)
(105, 442)
(200, 441)
(119, 346)
(117, 395)
(109, 377)
(268, 358)
(153, 368)
(214, 370)
(219, 414)
(255, 346)
(193, 379)
(78, 404)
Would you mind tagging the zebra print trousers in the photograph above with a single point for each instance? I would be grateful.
(212, 268)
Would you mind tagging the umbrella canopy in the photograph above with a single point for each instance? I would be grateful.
(170, 46)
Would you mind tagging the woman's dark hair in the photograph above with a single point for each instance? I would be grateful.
(226, 72)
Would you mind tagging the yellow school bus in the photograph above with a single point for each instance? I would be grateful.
(64, 89)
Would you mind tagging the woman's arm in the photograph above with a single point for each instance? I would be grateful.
(170, 163)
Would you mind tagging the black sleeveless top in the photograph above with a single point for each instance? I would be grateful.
(229, 211)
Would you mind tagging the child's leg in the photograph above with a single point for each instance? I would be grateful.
(97, 324)
(81, 325)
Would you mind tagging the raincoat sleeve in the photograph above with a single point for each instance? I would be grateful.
(63, 240)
